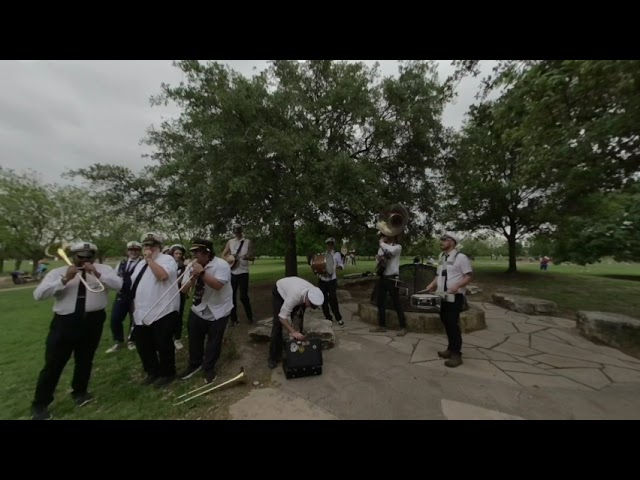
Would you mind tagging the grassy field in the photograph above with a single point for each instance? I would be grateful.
(25, 322)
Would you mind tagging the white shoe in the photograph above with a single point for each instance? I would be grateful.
(115, 348)
(178, 344)
(131, 346)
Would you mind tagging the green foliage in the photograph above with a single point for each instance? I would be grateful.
(324, 144)
(577, 129)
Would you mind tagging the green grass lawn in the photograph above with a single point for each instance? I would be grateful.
(25, 322)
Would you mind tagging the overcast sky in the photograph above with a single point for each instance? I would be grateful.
(59, 115)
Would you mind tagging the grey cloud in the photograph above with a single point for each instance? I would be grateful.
(59, 115)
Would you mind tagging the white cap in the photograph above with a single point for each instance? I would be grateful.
(316, 297)
(450, 235)
(330, 240)
(82, 247)
(179, 246)
(134, 244)
(151, 237)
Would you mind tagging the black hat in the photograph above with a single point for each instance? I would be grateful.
(201, 243)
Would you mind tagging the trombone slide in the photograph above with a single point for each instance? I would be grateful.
(169, 289)
(208, 388)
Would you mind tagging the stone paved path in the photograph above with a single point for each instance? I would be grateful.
(520, 367)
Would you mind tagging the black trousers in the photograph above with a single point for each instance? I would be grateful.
(387, 285)
(450, 316)
(177, 329)
(69, 334)
(241, 281)
(330, 298)
(276, 345)
(205, 341)
(121, 308)
(155, 346)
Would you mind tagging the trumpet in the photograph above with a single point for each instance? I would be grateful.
(61, 253)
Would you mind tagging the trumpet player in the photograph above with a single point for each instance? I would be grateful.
(212, 306)
(79, 316)
(154, 293)
(122, 304)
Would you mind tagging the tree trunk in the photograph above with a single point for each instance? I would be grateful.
(511, 239)
(291, 254)
(18, 263)
(35, 261)
(1, 264)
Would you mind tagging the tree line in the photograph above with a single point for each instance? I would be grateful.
(307, 150)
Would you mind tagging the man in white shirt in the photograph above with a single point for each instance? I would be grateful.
(453, 274)
(122, 304)
(241, 248)
(78, 319)
(290, 297)
(389, 256)
(329, 284)
(155, 308)
(212, 304)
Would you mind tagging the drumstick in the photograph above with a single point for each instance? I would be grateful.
(422, 291)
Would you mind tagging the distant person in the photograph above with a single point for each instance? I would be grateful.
(544, 263)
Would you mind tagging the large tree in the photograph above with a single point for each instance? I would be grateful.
(581, 132)
(491, 182)
(317, 142)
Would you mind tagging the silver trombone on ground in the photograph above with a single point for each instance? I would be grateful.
(195, 393)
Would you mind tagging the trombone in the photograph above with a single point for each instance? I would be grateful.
(186, 269)
(240, 378)
(61, 253)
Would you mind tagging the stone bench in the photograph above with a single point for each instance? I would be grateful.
(314, 327)
(526, 305)
(423, 322)
(613, 329)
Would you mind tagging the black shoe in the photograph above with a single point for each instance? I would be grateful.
(149, 379)
(41, 413)
(210, 377)
(250, 321)
(235, 323)
(454, 361)
(163, 381)
(190, 372)
(81, 399)
(272, 363)
(341, 323)
(444, 354)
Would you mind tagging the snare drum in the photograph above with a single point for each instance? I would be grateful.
(322, 264)
(426, 302)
